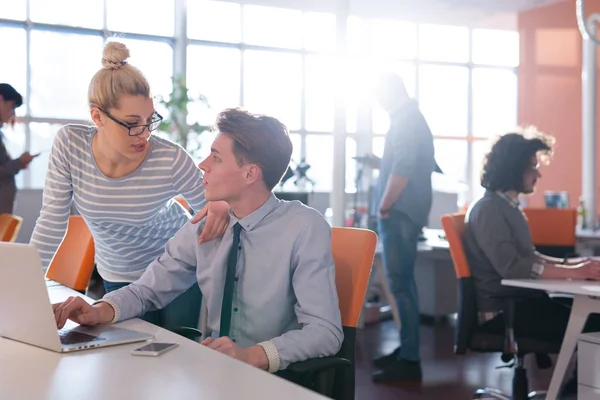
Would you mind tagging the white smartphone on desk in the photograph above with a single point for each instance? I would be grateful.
(154, 349)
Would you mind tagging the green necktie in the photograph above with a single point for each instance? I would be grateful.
(229, 280)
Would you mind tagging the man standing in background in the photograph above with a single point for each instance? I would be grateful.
(10, 99)
(404, 200)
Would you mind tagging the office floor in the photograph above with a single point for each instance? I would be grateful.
(445, 375)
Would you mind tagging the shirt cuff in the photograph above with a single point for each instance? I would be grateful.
(114, 306)
(272, 355)
(537, 270)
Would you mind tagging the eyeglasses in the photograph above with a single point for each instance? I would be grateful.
(137, 130)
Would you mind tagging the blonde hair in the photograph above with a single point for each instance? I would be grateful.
(116, 78)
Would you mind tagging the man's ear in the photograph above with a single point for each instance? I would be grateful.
(96, 116)
(253, 173)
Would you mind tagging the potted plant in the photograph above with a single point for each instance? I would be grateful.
(176, 123)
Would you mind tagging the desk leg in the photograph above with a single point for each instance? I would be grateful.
(582, 306)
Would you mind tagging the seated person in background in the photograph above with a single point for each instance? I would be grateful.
(498, 243)
(269, 283)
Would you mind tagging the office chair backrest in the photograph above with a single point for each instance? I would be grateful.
(454, 227)
(10, 225)
(184, 203)
(553, 230)
(353, 252)
(73, 263)
(552, 226)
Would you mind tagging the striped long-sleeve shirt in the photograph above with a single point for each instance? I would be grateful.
(131, 218)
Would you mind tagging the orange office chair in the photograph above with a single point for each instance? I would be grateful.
(73, 263)
(469, 336)
(10, 225)
(353, 252)
(553, 230)
(183, 203)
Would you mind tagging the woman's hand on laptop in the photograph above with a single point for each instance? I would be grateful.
(78, 310)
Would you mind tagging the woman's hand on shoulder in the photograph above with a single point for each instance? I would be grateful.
(217, 220)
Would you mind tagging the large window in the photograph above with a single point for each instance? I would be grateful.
(281, 62)
(466, 85)
(62, 65)
(55, 54)
(273, 85)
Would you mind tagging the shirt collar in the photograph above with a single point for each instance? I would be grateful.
(252, 219)
(513, 202)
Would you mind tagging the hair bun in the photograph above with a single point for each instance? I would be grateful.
(115, 55)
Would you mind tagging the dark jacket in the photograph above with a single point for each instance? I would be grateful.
(8, 169)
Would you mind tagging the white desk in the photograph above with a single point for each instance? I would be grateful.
(190, 371)
(584, 302)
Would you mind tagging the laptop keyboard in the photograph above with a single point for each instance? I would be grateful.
(74, 337)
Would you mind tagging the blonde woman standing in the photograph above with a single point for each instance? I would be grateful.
(122, 180)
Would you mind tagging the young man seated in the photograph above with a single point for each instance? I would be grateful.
(269, 282)
(498, 243)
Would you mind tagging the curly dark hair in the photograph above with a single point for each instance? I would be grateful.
(510, 156)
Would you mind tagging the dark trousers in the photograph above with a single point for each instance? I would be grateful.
(184, 311)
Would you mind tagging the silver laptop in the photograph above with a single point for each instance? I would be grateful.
(26, 313)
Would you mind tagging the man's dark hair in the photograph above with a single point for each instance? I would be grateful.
(258, 139)
(9, 93)
(505, 164)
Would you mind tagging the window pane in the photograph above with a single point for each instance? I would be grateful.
(480, 148)
(215, 73)
(451, 156)
(13, 9)
(443, 99)
(494, 101)
(14, 72)
(15, 145)
(88, 14)
(319, 31)
(269, 26)
(273, 85)
(155, 60)
(357, 32)
(59, 89)
(496, 47)
(319, 154)
(408, 73)
(42, 136)
(443, 43)
(393, 39)
(355, 80)
(378, 144)
(320, 87)
(350, 165)
(214, 20)
(154, 17)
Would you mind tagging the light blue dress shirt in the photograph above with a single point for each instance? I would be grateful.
(284, 292)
